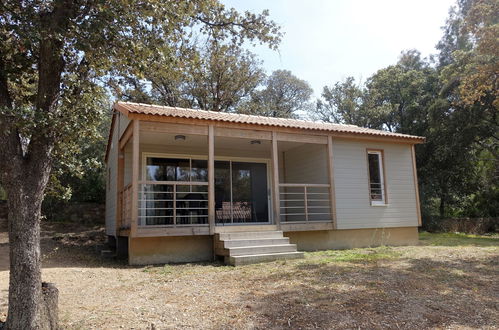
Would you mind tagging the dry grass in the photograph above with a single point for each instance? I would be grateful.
(450, 281)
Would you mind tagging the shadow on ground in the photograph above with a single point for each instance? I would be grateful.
(408, 293)
(66, 245)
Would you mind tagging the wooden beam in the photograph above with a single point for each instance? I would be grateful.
(211, 179)
(332, 191)
(243, 133)
(303, 138)
(275, 181)
(171, 231)
(416, 186)
(119, 190)
(307, 226)
(173, 128)
(135, 177)
(125, 137)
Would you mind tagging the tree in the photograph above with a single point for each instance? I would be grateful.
(217, 77)
(54, 58)
(282, 95)
(222, 78)
(400, 94)
(344, 103)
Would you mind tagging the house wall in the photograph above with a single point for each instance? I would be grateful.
(353, 208)
(306, 163)
(352, 238)
(111, 183)
(160, 250)
(123, 122)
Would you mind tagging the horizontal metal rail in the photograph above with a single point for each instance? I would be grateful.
(173, 203)
(303, 202)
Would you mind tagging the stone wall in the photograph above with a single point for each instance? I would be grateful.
(77, 212)
(72, 212)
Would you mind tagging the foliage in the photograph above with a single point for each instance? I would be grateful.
(344, 103)
(56, 59)
(283, 94)
(453, 103)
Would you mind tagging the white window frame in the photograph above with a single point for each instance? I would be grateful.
(381, 202)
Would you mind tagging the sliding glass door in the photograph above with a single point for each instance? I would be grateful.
(241, 192)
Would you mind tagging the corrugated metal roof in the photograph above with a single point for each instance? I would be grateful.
(156, 110)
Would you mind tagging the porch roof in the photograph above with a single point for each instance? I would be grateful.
(154, 112)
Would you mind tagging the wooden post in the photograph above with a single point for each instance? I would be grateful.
(119, 190)
(135, 178)
(332, 195)
(211, 179)
(275, 181)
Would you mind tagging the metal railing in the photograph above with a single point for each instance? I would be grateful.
(305, 202)
(173, 203)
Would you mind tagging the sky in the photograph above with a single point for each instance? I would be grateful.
(326, 41)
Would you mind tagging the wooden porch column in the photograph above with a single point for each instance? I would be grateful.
(332, 195)
(275, 181)
(135, 178)
(211, 179)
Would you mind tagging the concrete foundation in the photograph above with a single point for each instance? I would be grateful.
(353, 238)
(160, 250)
(171, 249)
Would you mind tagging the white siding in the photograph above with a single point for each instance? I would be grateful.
(111, 184)
(353, 208)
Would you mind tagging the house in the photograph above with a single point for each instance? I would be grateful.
(188, 185)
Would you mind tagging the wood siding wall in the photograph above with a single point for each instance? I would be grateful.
(351, 183)
(306, 164)
(111, 184)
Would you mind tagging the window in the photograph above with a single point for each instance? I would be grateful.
(376, 177)
(176, 169)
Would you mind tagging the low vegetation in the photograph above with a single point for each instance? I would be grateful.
(430, 285)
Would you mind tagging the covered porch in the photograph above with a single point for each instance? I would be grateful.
(181, 179)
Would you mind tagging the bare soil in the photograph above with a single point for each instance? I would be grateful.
(446, 282)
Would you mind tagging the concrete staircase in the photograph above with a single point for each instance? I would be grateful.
(243, 248)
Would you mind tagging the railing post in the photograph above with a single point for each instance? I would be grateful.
(135, 178)
(332, 196)
(174, 205)
(305, 202)
(211, 179)
(275, 181)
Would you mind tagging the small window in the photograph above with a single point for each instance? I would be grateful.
(376, 177)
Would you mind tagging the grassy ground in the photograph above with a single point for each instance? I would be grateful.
(449, 281)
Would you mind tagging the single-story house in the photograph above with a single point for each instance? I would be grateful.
(188, 185)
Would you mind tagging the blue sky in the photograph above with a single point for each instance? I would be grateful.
(328, 40)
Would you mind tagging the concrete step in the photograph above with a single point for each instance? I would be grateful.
(266, 249)
(255, 242)
(250, 235)
(253, 259)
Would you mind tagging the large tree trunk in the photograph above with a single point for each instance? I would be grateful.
(27, 301)
(25, 286)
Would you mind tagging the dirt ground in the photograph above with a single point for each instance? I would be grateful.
(449, 281)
